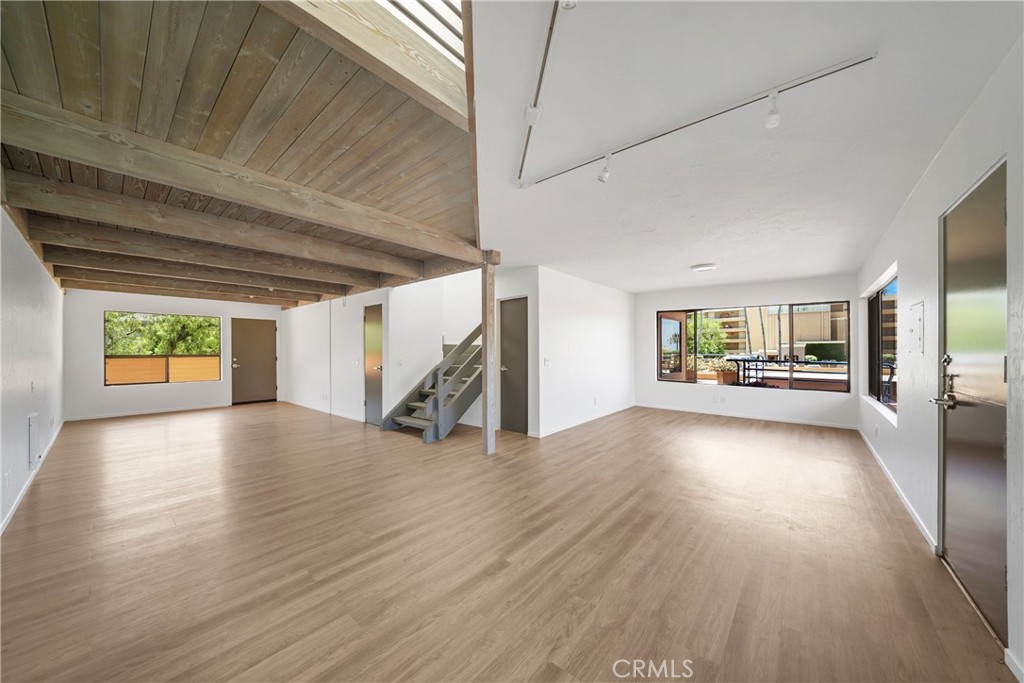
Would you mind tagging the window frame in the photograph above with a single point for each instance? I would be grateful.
(790, 309)
(166, 357)
(876, 328)
(682, 346)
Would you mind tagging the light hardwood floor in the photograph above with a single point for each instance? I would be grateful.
(273, 543)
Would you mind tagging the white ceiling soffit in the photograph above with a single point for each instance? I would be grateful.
(808, 198)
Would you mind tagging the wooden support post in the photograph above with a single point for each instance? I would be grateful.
(488, 356)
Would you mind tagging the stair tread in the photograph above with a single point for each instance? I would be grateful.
(410, 421)
(417, 405)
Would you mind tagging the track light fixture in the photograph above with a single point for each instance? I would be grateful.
(606, 172)
(774, 118)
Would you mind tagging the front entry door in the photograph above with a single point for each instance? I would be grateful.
(514, 366)
(253, 360)
(373, 362)
(974, 401)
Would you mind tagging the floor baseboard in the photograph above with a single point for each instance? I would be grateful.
(31, 478)
(899, 492)
(1014, 665)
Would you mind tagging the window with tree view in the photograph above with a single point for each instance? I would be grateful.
(783, 346)
(153, 348)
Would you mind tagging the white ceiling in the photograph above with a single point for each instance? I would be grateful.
(808, 198)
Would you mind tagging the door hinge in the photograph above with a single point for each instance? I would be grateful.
(364, 403)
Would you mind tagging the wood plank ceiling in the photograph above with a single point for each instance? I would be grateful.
(290, 172)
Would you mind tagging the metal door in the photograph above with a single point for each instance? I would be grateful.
(974, 397)
(253, 360)
(514, 366)
(373, 362)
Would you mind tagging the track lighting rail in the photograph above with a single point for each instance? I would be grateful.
(763, 95)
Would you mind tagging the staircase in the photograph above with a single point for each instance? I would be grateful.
(436, 403)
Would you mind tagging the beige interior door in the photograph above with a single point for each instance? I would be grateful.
(973, 403)
(253, 360)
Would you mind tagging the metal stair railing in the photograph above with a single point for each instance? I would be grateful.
(445, 413)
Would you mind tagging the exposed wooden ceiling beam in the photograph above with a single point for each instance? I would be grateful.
(378, 41)
(280, 271)
(20, 218)
(437, 267)
(118, 278)
(44, 128)
(63, 256)
(132, 289)
(67, 199)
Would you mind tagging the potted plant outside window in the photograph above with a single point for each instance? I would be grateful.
(725, 370)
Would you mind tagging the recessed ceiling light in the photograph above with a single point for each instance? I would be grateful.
(703, 267)
(568, 4)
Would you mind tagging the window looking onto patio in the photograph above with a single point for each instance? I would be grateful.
(882, 319)
(781, 346)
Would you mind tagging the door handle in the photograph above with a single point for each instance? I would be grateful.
(378, 368)
(948, 401)
(504, 368)
(235, 365)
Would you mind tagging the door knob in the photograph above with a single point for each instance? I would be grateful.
(235, 365)
(504, 368)
(378, 368)
(948, 401)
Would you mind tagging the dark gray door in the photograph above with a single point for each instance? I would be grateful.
(974, 400)
(373, 362)
(514, 364)
(253, 360)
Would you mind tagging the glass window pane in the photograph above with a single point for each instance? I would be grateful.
(820, 347)
(887, 372)
(671, 341)
(143, 348)
(762, 346)
(721, 334)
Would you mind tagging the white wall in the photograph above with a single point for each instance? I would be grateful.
(461, 307)
(416, 318)
(323, 355)
(305, 356)
(414, 337)
(347, 388)
(586, 351)
(584, 330)
(85, 397)
(990, 129)
(832, 409)
(31, 336)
